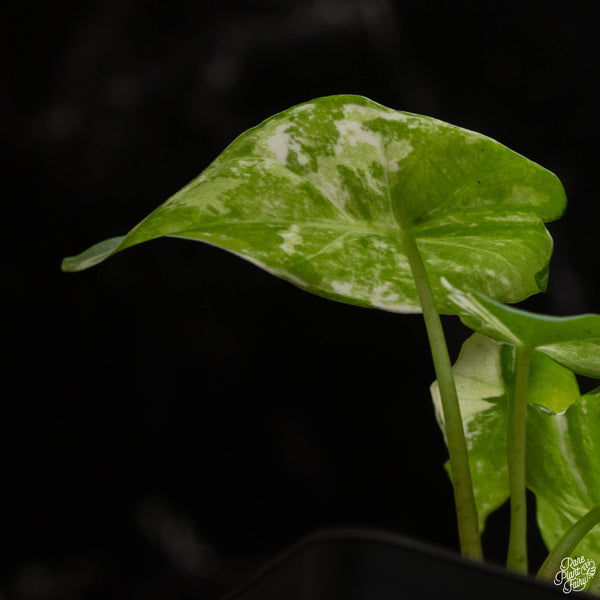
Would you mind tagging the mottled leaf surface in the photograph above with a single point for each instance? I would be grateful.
(563, 437)
(572, 341)
(563, 470)
(484, 373)
(480, 388)
(318, 194)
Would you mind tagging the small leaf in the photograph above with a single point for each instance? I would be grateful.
(572, 341)
(484, 374)
(479, 384)
(318, 194)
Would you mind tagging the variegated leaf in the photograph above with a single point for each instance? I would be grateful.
(483, 372)
(572, 341)
(479, 384)
(563, 470)
(563, 437)
(318, 194)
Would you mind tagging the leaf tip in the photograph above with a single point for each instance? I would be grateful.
(92, 256)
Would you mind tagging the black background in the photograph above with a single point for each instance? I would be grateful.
(175, 416)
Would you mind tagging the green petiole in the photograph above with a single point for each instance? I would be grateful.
(516, 443)
(466, 511)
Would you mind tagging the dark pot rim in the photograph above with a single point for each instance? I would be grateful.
(292, 563)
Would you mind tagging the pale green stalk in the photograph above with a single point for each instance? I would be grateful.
(466, 511)
(567, 543)
(516, 442)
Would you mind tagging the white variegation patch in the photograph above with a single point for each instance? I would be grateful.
(308, 107)
(341, 287)
(330, 188)
(514, 218)
(383, 296)
(352, 133)
(400, 150)
(302, 158)
(371, 112)
(478, 376)
(280, 144)
(379, 186)
(381, 244)
(291, 239)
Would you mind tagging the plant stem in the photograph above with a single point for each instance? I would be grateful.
(516, 443)
(466, 512)
(565, 546)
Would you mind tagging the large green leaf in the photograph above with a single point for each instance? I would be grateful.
(318, 194)
(483, 374)
(572, 341)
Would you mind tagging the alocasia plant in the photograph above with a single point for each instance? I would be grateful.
(360, 203)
